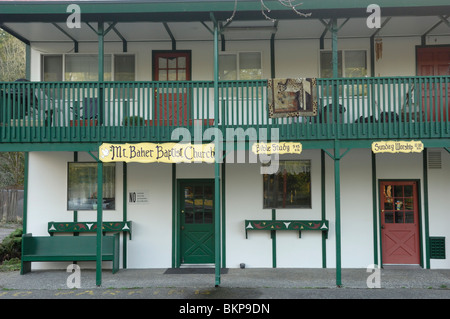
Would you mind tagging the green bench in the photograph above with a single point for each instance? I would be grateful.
(297, 225)
(81, 227)
(68, 248)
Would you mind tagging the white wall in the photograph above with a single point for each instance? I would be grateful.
(439, 214)
(47, 196)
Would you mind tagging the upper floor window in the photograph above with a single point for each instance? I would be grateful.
(351, 63)
(240, 66)
(84, 67)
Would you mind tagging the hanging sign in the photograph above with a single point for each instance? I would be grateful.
(397, 147)
(277, 148)
(160, 153)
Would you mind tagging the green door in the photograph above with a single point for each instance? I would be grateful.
(196, 211)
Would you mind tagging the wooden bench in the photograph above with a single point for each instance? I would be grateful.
(68, 248)
(297, 225)
(81, 227)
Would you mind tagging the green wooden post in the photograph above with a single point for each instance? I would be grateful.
(100, 167)
(175, 261)
(324, 209)
(99, 222)
(25, 193)
(218, 154)
(337, 199)
(125, 217)
(426, 207)
(375, 208)
(274, 242)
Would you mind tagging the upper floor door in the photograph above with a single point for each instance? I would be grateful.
(172, 100)
(435, 61)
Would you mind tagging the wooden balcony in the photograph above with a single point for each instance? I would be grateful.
(95, 112)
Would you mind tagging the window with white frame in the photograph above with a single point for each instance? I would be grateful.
(82, 186)
(351, 63)
(84, 67)
(240, 66)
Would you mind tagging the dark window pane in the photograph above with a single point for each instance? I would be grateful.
(188, 216)
(290, 187)
(398, 191)
(388, 206)
(389, 218)
(408, 191)
(399, 217)
(409, 217)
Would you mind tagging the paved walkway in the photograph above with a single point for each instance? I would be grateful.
(234, 278)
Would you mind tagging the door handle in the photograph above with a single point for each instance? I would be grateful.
(182, 227)
(382, 226)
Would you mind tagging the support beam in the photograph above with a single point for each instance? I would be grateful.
(218, 155)
(272, 51)
(100, 33)
(374, 208)
(124, 41)
(124, 210)
(99, 222)
(426, 208)
(323, 204)
(15, 34)
(75, 41)
(424, 36)
(337, 204)
(174, 42)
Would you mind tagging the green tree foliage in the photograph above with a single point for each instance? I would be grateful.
(12, 166)
(12, 58)
(12, 67)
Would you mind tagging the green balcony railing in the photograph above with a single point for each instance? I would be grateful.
(348, 108)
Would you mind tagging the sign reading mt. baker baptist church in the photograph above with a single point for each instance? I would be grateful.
(161, 153)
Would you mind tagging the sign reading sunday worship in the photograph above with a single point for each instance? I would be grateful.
(157, 153)
(397, 147)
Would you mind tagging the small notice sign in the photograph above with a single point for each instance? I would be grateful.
(397, 147)
(138, 197)
(277, 148)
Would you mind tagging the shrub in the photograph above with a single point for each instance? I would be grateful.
(11, 246)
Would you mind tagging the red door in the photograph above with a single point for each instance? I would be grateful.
(399, 222)
(434, 61)
(171, 100)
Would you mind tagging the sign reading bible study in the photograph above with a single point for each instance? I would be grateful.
(277, 148)
(160, 153)
(397, 147)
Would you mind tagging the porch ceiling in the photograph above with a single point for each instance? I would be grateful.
(236, 30)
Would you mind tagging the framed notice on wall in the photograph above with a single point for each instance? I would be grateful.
(138, 197)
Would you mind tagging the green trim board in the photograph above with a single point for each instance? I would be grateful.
(83, 227)
(189, 10)
(297, 225)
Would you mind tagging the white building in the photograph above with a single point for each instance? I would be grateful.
(178, 65)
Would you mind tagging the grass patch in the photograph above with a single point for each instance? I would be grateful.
(12, 264)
